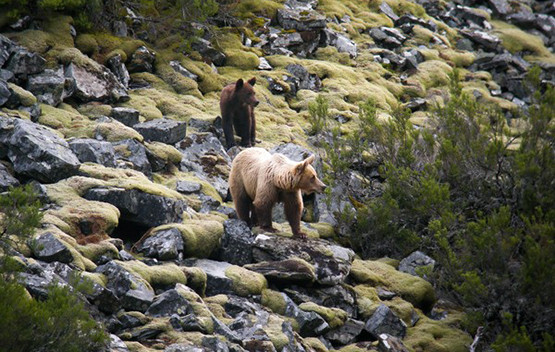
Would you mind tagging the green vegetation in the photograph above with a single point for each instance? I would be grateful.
(462, 192)
(60, 322)
(20, 215)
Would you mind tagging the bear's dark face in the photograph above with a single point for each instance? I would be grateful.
(309, 181)
(244, 92)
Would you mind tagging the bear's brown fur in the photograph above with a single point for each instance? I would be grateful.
(258, 180)
(237, 103)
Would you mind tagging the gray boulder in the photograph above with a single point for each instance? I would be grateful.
(332, 263)
(310, 323)
(127, 116)
(6, 179)
(182, 70)
(341, 42)
(133, 293)
(216, 280)
(47, 86)
(95, 151)
(385, 321)
(24, 63)
(134, 153)
(7, 47)
(388, 343)
(346, 333)
(117, 344)
(137, 206)
(304, 79)
(236, 244)
(116, 65)
(205, 48)
(205, 156)
(50, 249)
(285, 271)
(500, 8)
(36, 151)
(163, 245)
(95, 84)
(187, 187)
(5, 92)
(338, 296)
(168, 303)
(162, 130)
(416, 261)
(142, 60)
(301, 21)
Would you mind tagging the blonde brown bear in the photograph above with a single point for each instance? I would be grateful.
(258, 180)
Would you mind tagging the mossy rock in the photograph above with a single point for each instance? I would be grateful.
(95, 109)
(115, 131)
(251, 8)
(101, 217)
(334, 316)
(314, 344)
(432, 73)
(93, 251)
(145, 105)
(515, 40)
(158, 275)
(68, 123)
(367, 300)
(436, 336)
(416, 290)
(241, 59)
(245, 282)
(87, 44)
(273, 300)
(96, 278)
(201, 238)
(196, 279)
(164, 151)
(274, 330)
(25, 97)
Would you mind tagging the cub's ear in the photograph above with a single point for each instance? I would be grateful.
(239, 84)
(252, 81)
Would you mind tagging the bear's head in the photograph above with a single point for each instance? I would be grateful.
(308, 180)
(244, 92)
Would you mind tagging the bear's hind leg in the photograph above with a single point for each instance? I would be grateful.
(243, 207)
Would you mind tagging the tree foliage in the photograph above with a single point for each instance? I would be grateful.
(473, 193)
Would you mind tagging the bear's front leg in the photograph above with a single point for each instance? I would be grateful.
(293, 205)
(263, 205)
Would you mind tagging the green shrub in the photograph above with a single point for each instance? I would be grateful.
(484, 211)
(59, 323)
(318, 110)
(20, 214)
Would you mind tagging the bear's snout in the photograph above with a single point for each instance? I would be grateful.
(256, 102)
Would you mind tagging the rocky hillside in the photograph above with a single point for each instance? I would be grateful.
(117, 129)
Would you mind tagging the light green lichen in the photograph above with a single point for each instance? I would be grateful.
(411, 288)
(200, 238)
(164, 151)
(273, 300)
(157, 275)
(334, 316)
(25, 97)
(196, 279)
(245, 282)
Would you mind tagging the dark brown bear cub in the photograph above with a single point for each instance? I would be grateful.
(237, 104)
(258, 180)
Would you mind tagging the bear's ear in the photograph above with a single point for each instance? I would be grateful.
(252, 81)
(309, 160)
(239, 84)
(303, 164)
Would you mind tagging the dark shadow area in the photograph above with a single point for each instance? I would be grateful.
(129, 232)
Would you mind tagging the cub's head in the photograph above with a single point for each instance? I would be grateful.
(244, 92)
(308, 180)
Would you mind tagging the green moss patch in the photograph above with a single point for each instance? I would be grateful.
(157, 275)
(411, 288)
(334, 316)
(246, 282)
(436, 336)
(273, 300)
(201, 238)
